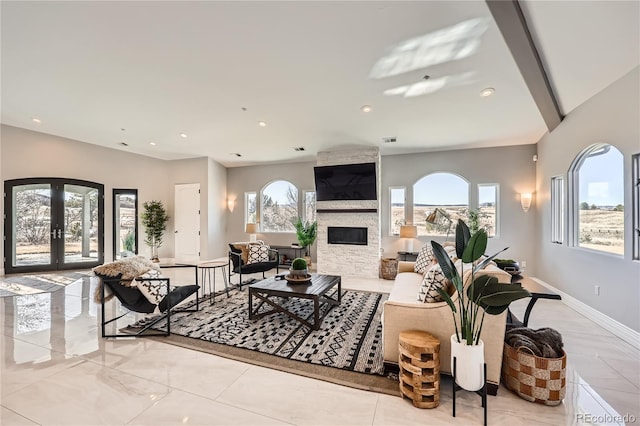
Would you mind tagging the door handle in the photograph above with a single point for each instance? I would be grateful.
(175, 232)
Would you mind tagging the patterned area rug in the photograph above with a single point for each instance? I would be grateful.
(350, 336)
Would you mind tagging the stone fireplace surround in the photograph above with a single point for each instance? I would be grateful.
(348, 259)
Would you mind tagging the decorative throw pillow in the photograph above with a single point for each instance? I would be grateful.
(243, 249)
(154, 290)
(425, 259)
(432, 281)
(258, 253)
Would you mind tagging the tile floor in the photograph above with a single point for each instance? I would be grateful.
(56, 370)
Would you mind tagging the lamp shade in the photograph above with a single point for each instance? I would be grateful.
(252, 228)
(408, 231)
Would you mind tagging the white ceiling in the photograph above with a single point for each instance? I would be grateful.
(156, 69)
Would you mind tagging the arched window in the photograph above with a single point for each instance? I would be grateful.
(443, 198)
(279, 206)
(597, 199)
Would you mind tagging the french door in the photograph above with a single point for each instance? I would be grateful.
(53, 223)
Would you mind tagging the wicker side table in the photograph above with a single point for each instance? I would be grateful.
(420, 368)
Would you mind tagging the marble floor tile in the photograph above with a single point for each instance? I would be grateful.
(85, 394)
(24, 364)
(299, 400)
(8, 417)
(180, 407)
(624, 403)
(190, 371)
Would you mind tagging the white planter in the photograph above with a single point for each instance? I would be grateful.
(469, 364)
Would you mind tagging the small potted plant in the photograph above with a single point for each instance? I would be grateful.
(154, 218)
(298, 268)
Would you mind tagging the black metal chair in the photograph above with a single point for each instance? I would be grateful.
(132, 299)
(238, 266)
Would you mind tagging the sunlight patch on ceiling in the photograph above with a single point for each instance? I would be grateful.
(432, 85)
(448, 44)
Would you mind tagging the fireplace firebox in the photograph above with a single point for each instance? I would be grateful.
(347, 235)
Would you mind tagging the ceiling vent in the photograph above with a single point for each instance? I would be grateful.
(124, 144)
(237, 154)
(389, 140)
(299, 148)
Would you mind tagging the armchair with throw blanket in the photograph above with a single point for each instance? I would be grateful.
(250, 258)
(139, 287)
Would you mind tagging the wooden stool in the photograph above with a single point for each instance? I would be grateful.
(420, 368)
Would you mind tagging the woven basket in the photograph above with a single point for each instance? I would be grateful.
(388, 268)
(536, 379)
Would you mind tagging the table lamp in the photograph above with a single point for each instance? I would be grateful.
(409, 232)
(252, 229)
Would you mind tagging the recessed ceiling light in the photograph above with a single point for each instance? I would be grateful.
(183, 135)
(262, 124)
(366, 108)
(36, 120)
(152, 143)
(487, 92)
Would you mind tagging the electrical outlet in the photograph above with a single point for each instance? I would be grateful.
(596, 290)
(524, 263)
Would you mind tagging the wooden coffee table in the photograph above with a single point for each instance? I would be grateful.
(267, 290)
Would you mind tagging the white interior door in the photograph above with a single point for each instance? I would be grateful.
(187, 222)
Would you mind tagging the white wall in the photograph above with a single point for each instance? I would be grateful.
(253, 179)
(25, 153)
(511, 167)
(612, 116)
(217, 211)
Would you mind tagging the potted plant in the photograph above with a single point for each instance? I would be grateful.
(154, 218)
(484, 295)
(298, 268)
(306, 233)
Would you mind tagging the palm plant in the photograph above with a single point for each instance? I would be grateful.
(484, 291)
(306, 233)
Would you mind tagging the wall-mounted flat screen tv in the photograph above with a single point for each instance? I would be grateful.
(346, 182)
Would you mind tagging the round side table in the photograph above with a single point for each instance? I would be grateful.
(208, 271)
(420, 368)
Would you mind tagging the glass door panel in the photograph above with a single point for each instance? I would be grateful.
(125, 222)
(32, 234)
(53, 223)
(80, 224)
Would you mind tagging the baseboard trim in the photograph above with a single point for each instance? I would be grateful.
(625, 333)
(2, 272)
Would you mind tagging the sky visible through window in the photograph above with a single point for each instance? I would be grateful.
(441, 189)
(601, 179)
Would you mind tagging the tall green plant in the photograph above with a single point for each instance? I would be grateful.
(154, 218)
(306, 233)
(485, 295)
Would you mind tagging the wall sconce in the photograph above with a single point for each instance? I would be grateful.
(231, 204)
(409, 232)
(252, 229)
(525, 200)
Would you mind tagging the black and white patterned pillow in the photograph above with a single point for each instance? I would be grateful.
(431, 282)
(258, 253)
(154, 290)
(425, 259)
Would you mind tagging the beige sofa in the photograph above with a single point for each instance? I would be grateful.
(403, 311)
